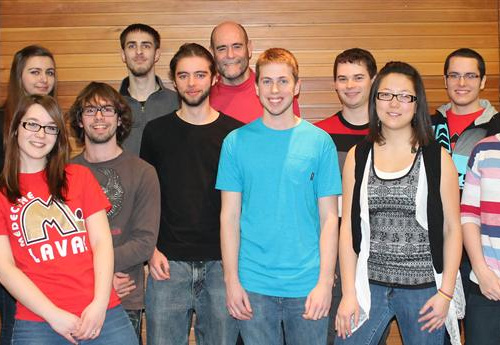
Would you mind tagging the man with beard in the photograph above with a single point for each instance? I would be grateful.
(101, 119)
(185, 270)
(234, 92)
(143, 90)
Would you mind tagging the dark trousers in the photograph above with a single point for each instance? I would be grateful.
(482, 325)
(7, 313)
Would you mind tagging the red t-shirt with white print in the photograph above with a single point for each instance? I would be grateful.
(49, 240)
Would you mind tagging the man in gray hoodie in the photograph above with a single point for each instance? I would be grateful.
(143, 89)
(466, 119)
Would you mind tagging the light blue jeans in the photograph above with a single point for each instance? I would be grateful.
(194, 287)
(405, 305)
(117, 330)
(273, 316)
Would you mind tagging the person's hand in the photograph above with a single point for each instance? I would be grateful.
(65, 324)
(237, 302)
(92, 320)
(434, 313)
(158, 266)
(122, 284)
(489, 284)
(318, 302)
(347, 312)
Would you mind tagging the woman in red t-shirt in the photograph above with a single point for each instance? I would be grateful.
(56, 254)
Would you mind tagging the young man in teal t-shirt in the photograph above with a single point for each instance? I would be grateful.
(280, 179)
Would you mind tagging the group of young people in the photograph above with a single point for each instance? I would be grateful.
(236, 202)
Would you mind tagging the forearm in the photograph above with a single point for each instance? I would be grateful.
(452, 255)
(230, 235)
(348, 261)
(328, 243)
(230, 244)
(103, 258)
(134, 252)
(26, 292)
(472, 243)
(103, 270)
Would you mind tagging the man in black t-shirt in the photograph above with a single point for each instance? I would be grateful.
(185, 270)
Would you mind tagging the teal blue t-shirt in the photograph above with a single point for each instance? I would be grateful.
(280, 174)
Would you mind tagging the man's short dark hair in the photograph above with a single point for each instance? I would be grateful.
(467, 53)
(356, 55)
(143, 28)
(189, 50)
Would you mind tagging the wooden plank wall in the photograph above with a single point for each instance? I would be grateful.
(84, 36)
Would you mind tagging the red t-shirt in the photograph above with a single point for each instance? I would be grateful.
(49, 241)
(458, 123)
(241, 101)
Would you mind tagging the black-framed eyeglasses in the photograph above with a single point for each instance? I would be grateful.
(401, 97)
(106, 110)
(458, 76)
(35, 127)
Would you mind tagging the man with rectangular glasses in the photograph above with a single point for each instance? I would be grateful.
(467, 119)
(101, 120)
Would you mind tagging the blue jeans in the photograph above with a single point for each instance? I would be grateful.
(336, 298)
(404, 304)
(135, 317)
(117, 330)
(7, 313)
(194, 287)
(270, 313)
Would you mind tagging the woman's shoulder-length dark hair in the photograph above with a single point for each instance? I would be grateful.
(421, 122)
(15, 88)
(57, 158)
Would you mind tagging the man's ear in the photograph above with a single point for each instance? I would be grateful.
(250, 49)
(123, 56)
(483, 82)
(296, 89)
(157, 55)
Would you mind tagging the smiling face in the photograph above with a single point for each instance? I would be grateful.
(35, 146)
(276, 89)
(353, 84)
(140, 53)
(39, 75)
(193, 80)
(394, 114)
(231, 53)
(464, 93)
(99, 129)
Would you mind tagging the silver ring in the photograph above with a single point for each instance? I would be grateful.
(93, 332)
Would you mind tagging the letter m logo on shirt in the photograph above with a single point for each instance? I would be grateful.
(38, 215)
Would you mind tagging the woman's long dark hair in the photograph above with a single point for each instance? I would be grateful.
(15, 89)
(421, 123)
(57, 158)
